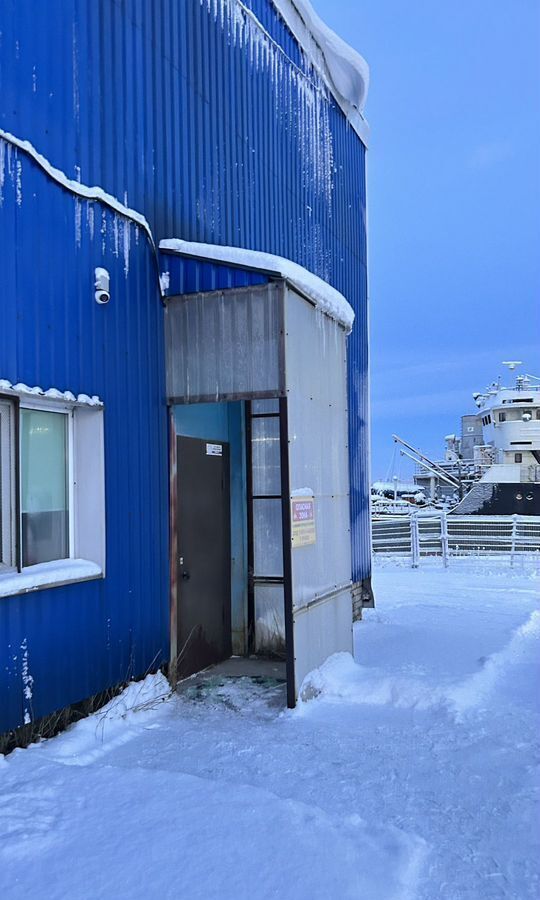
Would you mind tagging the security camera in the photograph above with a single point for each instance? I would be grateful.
(102, 286)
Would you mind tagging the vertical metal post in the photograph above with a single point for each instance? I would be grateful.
(444, 538)
(173, 552)
(287, 551)
(250, 644)
(514, 536)
(415, 541)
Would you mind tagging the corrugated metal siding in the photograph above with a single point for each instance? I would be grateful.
(82, 638)
(225, 344)
(277, 29)
(194, 276)
(193, 116)
(218, 138)
(188, 276)
(317, 421)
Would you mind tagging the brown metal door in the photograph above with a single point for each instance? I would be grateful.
(204, 554)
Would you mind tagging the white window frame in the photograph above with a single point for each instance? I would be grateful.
(8, 477)
(85, 495)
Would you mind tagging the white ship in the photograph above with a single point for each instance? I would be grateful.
(493, 468)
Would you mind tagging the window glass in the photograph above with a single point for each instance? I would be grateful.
(44, 494)
(502, 417)
(265, 448)
(267, 538)
(269, 619)
(264, 406)
(518, 457)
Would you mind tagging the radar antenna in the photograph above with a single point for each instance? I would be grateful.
(512, 363)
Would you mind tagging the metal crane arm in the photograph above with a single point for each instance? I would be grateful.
(448, 478)
(422, 459)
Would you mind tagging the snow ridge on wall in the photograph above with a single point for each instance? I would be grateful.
(76, 187)
(347, 71)
(125, 221)
(343, 70)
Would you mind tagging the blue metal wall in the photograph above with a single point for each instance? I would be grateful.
(82, 638)
(191, 276)
(191, 114)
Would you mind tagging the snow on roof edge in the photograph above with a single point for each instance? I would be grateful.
(346, 69)
(23, 390)
(326, 298)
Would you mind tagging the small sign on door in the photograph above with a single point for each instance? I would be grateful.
(303, 521)
(214, 450)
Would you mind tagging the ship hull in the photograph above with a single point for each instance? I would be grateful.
(500, 499)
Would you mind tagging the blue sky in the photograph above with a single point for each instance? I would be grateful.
(454, 203)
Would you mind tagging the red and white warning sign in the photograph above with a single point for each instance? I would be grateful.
(303, 520)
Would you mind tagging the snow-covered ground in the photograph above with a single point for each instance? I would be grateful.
(414, 774)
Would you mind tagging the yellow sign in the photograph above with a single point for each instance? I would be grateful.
(303, 521)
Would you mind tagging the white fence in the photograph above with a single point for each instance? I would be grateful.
(445, 535)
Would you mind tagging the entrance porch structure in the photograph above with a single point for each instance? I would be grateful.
(260, 524)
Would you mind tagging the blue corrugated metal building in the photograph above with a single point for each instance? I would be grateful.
(205, 120)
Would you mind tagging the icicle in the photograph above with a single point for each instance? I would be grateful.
(75, 69)
(103, 232)
(2, 169)
(10, 162)
(78, 221)
(116, 248)
(90, 219)
(126, 235)
(18, 182)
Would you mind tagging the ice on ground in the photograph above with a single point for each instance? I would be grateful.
(414, 773)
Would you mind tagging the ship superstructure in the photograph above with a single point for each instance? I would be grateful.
(493, 467)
